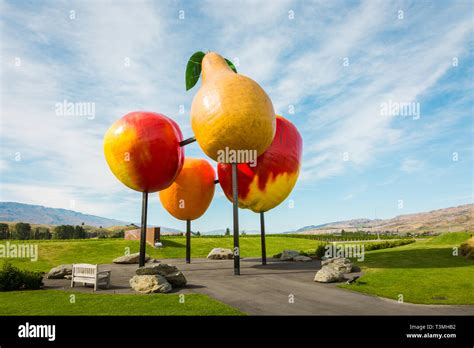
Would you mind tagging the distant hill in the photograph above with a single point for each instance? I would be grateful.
(452, 219)
(346, 223)
(37, 214)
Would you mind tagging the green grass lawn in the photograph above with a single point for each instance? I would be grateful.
(101, 251)
(423, 272)
(55, 302)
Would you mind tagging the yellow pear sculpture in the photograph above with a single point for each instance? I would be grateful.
(231, 112)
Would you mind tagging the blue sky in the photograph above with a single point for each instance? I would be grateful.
(334, 62)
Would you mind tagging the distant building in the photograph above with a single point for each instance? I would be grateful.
(153, 235)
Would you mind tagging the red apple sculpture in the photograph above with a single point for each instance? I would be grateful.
(143, 151)
(271, 180)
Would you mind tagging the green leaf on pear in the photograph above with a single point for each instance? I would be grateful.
(193, 69)
(231, 65)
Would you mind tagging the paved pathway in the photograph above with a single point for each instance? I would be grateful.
(269, 289)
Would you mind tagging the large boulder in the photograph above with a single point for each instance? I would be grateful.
(339, 263)
(174, 276)
(59, 272)
(328, 274)
(288, 255)
(147, 284)
(220, 254)
(333, 270)
(302, 258)
(132, 258)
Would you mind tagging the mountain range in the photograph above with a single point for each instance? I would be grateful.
(442, 220)
(452, 219)
(37, 214)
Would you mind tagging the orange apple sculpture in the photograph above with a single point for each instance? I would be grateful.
(271, 180)
(143, 151)
(190, 195)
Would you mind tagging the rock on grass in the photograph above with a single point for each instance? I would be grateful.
(132, 258)
(147, 284)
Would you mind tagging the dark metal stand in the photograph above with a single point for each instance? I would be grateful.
(236, 219)
(262, 237)
(143, 229)
(187, 141)
(188, 241)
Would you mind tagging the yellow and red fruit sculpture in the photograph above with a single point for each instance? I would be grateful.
(230, 111)
(269, 183)
(191, 193)
(143, 151)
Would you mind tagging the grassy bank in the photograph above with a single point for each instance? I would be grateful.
(422, 272)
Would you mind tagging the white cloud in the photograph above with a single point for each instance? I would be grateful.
(411, 165)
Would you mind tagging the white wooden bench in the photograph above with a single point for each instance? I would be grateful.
(89, 274)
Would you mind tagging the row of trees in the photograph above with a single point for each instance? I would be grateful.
(24, 231)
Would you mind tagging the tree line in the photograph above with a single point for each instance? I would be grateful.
(24, 231)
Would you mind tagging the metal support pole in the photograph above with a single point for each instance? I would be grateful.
(188, 241)
(143, 230)
(262, 237)
(236, 219)
(187, 141)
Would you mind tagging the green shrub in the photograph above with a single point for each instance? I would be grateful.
(32, 280)
(320, 250)
(467, 248)
(387, 244)
(12, 278)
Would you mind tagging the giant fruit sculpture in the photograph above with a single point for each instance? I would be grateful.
(191, 193)
(267, 184)
(143, 151)
(230, 111)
